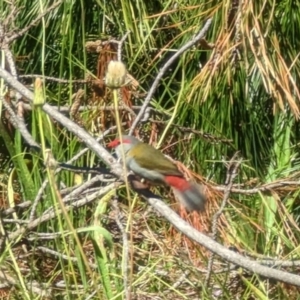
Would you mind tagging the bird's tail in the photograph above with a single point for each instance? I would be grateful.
(189, 194)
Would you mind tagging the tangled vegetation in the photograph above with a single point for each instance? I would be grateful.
(214, 85)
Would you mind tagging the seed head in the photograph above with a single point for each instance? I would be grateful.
(116, 74)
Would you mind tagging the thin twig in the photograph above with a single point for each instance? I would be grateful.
(54, 79)
(218, 249)
(74, 158)
(14, 221)
(45, 236)
(10, 60)
(204, 135)
(120, 45)
(162, 208)
(53, 214)
(3, 236)
(37, 199)
(79, 191)
(280, 263)
(85, 170)
(180, 280)
(82, 188)
(42, 290)
(11, 210)
(18, 34)
(58, 255)
(19, 124)
(263, 188)
(160, 74)
(231, 174)
(66, 109)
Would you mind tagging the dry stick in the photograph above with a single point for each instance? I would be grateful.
(160, 74)
(14, 221)
(92, 295)
(19, 33)
(46, 217)
(161, 207)
(19, 124)
(204, 135)
(81, 190)
(179, 281)
(262, 188)
(74, 158)
(280, 263)
(37, 199)
(45, 236)
(5, 46)
(78, 191)
(3, 236)
(98, 139)
(220, 250)
(75, 192)
(54, 79)
(231, 174)
(41, 289)
(58, 255)
(13, 14)
(11, 210)
(120, 44)
(66, 109)
(86, 170)
(10, 60)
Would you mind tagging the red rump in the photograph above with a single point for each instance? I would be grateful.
(178, 183)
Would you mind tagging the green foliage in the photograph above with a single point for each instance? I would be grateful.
(237, 87)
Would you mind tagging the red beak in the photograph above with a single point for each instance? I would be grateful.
(113, 144)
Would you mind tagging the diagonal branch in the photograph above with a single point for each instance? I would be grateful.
(160, 74)
(231, 174)
(19, 124)
(160, 206)
(33, 23)
(220, 250)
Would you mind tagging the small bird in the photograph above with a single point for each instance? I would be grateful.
(150, 164)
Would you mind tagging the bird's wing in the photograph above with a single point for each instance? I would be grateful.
(150, 158)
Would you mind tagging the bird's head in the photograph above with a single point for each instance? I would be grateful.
(127, 142)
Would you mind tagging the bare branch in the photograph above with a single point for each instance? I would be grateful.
(120, 44)
(71, 126)
(17, 207)
(19, 124)
(162, 208)
(263, 188)
(46, 217)
(231, 174)
(160, 74)
(58, 255)
(220, 250)
(54, 79)
(13, 37)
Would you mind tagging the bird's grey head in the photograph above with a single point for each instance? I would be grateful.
(125, 143)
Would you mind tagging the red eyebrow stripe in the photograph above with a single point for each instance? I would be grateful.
(116, 142)
(126, 141)
(113, 144)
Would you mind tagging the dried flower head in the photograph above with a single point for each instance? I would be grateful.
(39, 99)
(116, 74)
